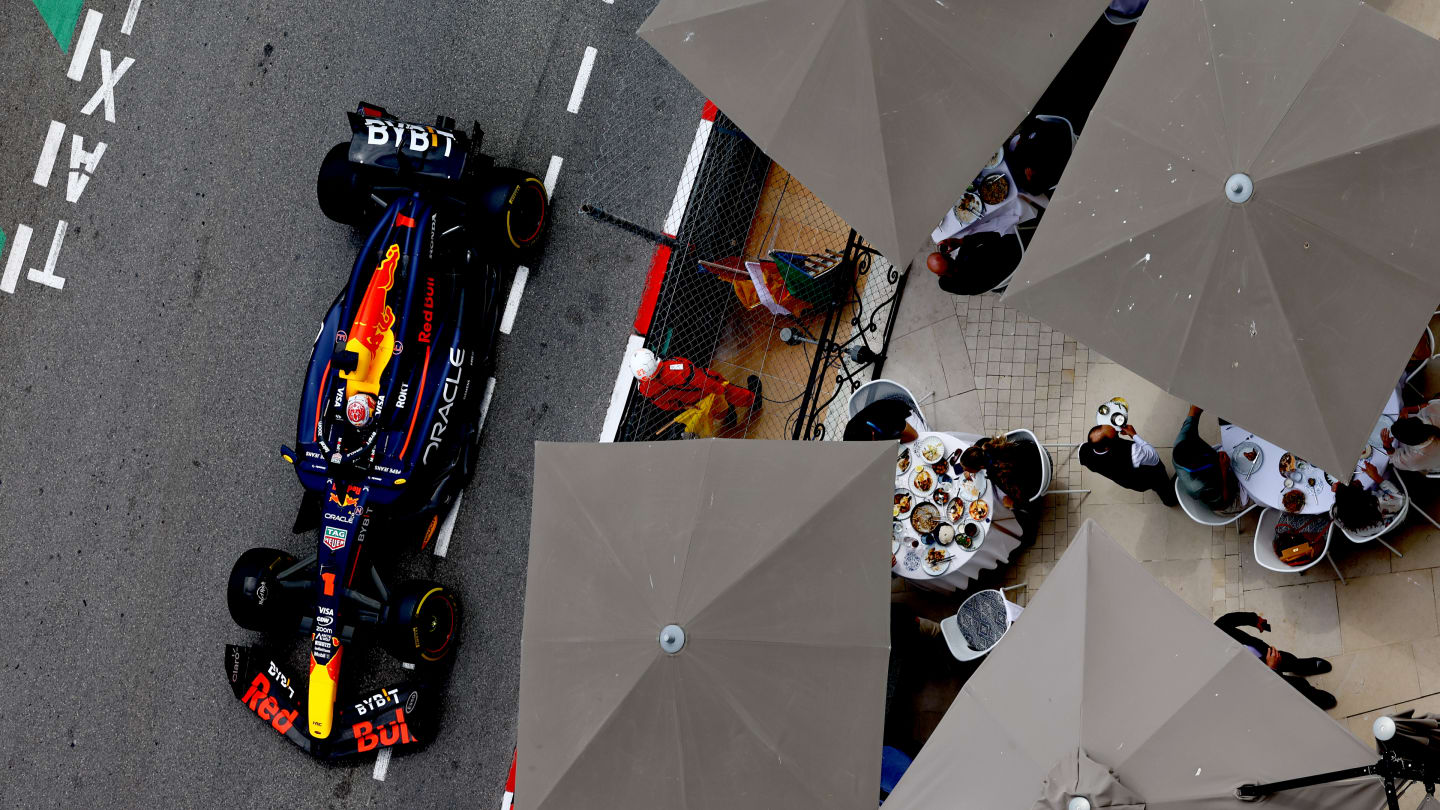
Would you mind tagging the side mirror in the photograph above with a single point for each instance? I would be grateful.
(287, 454)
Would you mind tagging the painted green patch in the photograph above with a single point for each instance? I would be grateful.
(2, 241)
(60, 16)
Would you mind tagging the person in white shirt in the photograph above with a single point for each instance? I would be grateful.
(1413, 442)
(1132, 464)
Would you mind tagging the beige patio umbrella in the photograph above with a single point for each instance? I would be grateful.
(1113, 690)
(706, 625)
(1249, 220)
(885, 109)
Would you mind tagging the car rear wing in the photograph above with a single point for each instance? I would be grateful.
(439, 153)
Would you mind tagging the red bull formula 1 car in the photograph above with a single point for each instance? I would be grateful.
(388, 429)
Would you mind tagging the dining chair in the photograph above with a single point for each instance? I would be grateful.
(1430, 337)
(876, 390)
(1046, 468)
(1204, 515)
(1265, 546)
(955, 639)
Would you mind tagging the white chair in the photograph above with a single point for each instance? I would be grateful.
(1204, 515)
(876, 390)
(1406, 491)
(955, 640)
(1265, 546)
(1045, 467)
(1429, 336)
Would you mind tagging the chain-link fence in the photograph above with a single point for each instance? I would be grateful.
(755, 282)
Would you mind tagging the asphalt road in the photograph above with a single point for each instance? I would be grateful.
(142, 405)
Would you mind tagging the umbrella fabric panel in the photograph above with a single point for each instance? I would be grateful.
(1245, 725)
(884, 109)
(970, 762)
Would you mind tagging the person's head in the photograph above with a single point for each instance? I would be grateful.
(1037, 154)
(1101, 433)
(1194, 456)
(973, 459)
(938, 263)
(1412, 431)
(1355, 507)
(644, 364)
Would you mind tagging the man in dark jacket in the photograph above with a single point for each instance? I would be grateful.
(975, 264)
(1132, 464)
(1278, 660)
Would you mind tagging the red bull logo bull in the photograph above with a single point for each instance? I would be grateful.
(375, 318)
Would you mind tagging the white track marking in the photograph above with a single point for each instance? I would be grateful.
(442, 537)
(507, 801)
(80, 57)
(512, 304)
(485, 402)
(18, 247)
(552, 173)
(47, 276)
(407, 665)
(106, 91)
(621, 390)
(130, 13)
(82, 165)
(382, 764)
(687, 177)
(577, 93)
(53, 137)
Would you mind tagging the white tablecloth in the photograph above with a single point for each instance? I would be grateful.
(1266, 485)
(995, 549)
(999, 218)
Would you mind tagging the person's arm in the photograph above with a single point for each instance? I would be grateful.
(1141, 453)
(1190, 427)
(1242, 618)
(1373, 473)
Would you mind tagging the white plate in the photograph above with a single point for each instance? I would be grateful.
(979, 538)
(972, 490)
(938, 570)
(923, 471)
(914, 499)
(1245, 466)
(911, 561)
(930, 446)
(989, 511)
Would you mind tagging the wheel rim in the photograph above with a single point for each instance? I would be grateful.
(434, 625)
(525, 212)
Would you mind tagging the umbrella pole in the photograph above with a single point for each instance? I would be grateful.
(1390, 768)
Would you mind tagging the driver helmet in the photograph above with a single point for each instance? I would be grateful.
(644, 364)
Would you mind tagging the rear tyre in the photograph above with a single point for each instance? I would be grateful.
(423, 626)
(256, 599)
(512, 211)
(343, 197)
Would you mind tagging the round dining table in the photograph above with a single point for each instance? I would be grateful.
(997, 543)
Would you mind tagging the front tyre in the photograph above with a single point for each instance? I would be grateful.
(255, 596)
(423, 625)
(512, 211)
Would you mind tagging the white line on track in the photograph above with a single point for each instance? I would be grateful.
(442, 537)
(130, 13)
(512, 304)
(577, 93)
(485, 403)
(48, 152)
(382, 764)
(80, 57)
(16, 262)
(552, 173)
(687, 177)
(621, 390)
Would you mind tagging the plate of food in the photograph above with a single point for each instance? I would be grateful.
(994, 188)
(902, 466)
(937, 561)
(1289, 463)
(897, 536)
(970, 535)
(944, 534)
(1247, 458)
(925, 518)
(979, 510)
(941, 468)
(956, 511)
(923, 480)
(932, 449)
(943, 494)
(1293, 500)
(904, 502)
(995, 159)
(911, 561)
(973, 485)
(969, 208)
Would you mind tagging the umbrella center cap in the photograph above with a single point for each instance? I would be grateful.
(672, 638)
(1239, 187)
(1078, 803)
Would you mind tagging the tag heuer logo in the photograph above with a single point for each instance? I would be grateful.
(335, 538)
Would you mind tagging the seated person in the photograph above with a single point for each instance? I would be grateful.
(1013, 465)
(976, 263)
(1204, 473)
(884, 420)
(1367, 511)
(1411, 443)
(1037, 153)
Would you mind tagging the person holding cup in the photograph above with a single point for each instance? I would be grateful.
(1130, 462)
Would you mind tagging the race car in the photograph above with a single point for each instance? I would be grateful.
(389, 426)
